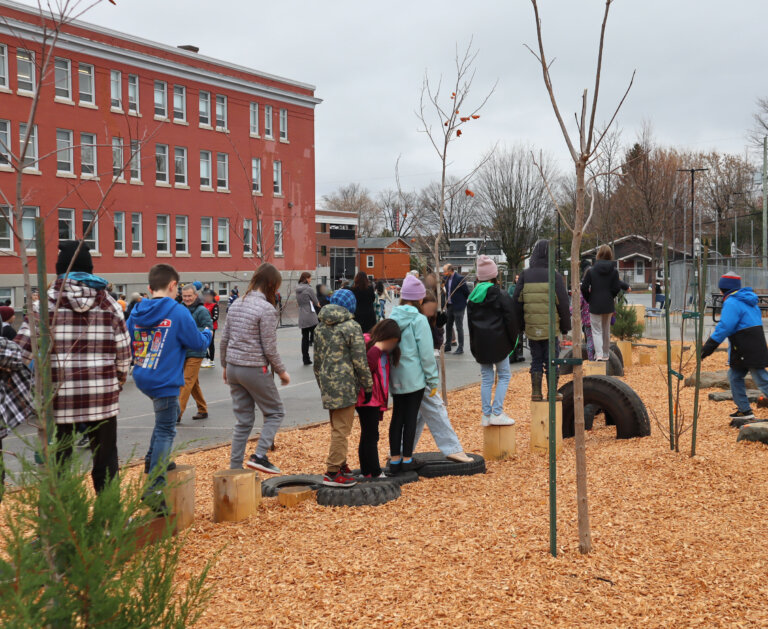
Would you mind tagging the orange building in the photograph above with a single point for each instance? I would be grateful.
(387, 259)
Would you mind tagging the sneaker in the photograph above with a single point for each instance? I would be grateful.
(262, 464)
(414, 465)
(742, 414)
(502, 420)
(437, 353)
(156, 503)
(460, 350)
(394, 468)
(339, 479)
(447, 349)
(345, 470)
(485, 420)
(200, 416)
(206, 363)
(169, 467)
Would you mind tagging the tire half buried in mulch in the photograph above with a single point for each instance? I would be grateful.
(270, 486)
(614, 366)
(360, 495)
(435, 465)
(616, 399)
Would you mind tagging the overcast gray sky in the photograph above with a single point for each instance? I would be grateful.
(700, 66)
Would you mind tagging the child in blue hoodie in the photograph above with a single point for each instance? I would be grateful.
(415, 373)
(742, 324)
(161, 331)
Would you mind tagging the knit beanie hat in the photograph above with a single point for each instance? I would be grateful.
(6, 312)
(486, 269)
(344, 298)
(197, 285)
(729, 283)
(82, 264)
(413, 289)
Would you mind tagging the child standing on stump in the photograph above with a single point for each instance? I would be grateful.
(492, 338)
(341, 370)
(383, 353)
(741, 322)
(415, 373)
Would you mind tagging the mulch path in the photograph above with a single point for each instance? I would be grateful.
(677, 541)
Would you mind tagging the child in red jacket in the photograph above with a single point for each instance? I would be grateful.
(383, 352)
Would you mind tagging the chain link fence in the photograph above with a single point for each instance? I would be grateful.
(682, 279)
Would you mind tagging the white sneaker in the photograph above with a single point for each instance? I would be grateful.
(502, 420)
(486, 420)
(206, 363)
(437, 353)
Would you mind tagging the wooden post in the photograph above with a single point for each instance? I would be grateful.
(594, 367)
(675, 353)
(291, 496)
(499, 442)
(644, 358)
(236, 495)
(625, 347)
(540, 427)
(181, 495)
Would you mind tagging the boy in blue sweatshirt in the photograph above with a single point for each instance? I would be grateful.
(161, 332)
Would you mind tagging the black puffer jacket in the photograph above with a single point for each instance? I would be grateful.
(600, 286)
(493, 326)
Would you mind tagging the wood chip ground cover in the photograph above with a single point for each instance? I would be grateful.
(678, 541)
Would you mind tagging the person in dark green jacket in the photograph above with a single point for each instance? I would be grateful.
(194, 359)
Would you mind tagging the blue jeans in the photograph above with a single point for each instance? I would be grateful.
(486, 387)
(433, 413)
(739, 389)
(161, 443)
(540, 354)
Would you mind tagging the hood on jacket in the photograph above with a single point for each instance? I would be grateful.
(745, 295)
(603, 267)
(149, 312)
(404, 315)
(74, 295)
(480, 293)
(540, 254)
(333, 314)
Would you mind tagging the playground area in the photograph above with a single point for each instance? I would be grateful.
(677, 541)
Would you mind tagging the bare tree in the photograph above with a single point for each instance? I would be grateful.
(461, 213)
(608, 223)
(399, 212)
(513, 200)
(582, 154)
(355, 198)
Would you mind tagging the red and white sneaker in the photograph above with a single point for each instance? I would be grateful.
(339, 479)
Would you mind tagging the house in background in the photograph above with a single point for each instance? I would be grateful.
(462, 253)
(336, 246)
(387, 259)
(634, 262)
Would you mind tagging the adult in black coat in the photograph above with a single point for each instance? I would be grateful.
(600, 286)
(456, 294)
(365, 313)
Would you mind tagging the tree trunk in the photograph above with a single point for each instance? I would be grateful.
(585, 536)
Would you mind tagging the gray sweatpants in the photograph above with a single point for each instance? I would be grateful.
(251, 387)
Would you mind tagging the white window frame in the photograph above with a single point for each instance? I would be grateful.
(6, 227)
(118, 159)
(248, 236)
(163, 246)
(62, 78)
(118, 220)
(268, 130)
(369, 261)
(67, 216)
(180, 166)
(29, 213)
(205, 97)
(255, 120)
(277, 177)
(206, 244)
(5, 143)
(65, 158)
(225, 178)
(137, 245)
(161, 151)
(133, 93)
(88, 142)
(221, 98)
(7, 294)
(29, 59)
(259, 236)
(284, 125)
(93, 240)
(256, 175)
(471, 249)
(4, 66)
(30, 159)
(181, 222)
(86, 69)
(278, 229)
(222, 246)
(180, 115)
(134, 161)
(116, 90)
(205, 158)
(639, 269)
(161, 88)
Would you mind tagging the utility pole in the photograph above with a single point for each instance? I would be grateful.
(765, 203)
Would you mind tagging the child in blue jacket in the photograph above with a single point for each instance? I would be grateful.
(161, 331)
(742, 324)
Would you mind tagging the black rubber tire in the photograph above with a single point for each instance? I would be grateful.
(360, 495)
(270, 486)
(435, 465)
(614, 367)
(616, 399)
(401, 479)
(615, 349)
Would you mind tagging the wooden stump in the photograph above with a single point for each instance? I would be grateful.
(499, 442)
(639, 312)
(291, 496)
(236, 495)
(594, 367)
(661, 354)
(151, 532)
(540, 427)
(644, 359)
(625, 347)
(180, 495)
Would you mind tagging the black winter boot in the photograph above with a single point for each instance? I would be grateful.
(536, 386)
